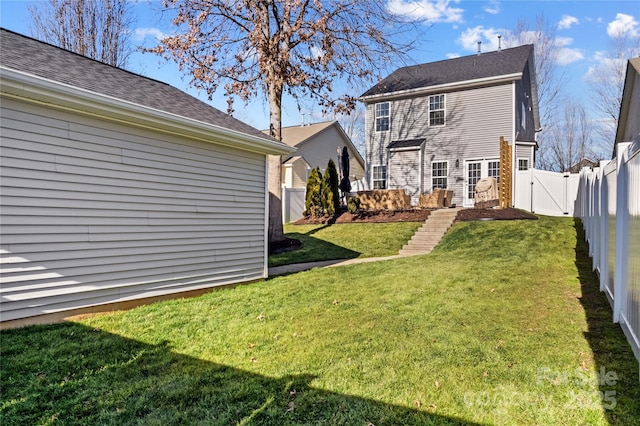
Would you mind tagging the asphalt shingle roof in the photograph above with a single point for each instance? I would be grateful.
(34, 57)
(409, 143)
(295, 135)
(466, 68)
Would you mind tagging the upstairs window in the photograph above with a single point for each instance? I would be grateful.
(439, 173)
(382, 117)
(436, 110)
(523, 164)
(379, 177)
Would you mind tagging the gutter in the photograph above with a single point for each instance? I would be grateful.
(31, 88)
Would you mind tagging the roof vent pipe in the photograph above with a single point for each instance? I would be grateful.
(302, 120)
(479, 50)
(499, 43)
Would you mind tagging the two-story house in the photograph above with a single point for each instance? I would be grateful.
(438, 125)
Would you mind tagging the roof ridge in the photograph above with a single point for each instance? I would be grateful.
(492, 52)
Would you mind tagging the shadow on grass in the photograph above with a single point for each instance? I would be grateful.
(616, 366)
(312, 250)
(72, 374)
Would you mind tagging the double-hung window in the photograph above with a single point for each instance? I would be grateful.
(382, 117)
(439, 173)
(379, 174)
(436, 110)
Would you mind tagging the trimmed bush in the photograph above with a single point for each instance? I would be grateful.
(353, 205)
(330, 194)
(313, 200)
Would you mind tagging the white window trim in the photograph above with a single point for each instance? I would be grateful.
(446, 176)
(375, 117)
(524, 159)
(444, 109)
(373, 179)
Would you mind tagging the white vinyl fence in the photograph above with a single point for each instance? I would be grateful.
(546, 193)
(609, 205)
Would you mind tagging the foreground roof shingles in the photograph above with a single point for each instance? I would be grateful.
(34, 57)
(466, 68)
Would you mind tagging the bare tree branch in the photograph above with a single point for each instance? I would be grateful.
(298, 47)
(99, 29)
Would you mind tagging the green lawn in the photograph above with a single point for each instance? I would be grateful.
(345, 241)
(502, 324)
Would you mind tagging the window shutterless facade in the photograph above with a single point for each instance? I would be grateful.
(439, 174)
(382, 113)
(436, 110)
(379, 177)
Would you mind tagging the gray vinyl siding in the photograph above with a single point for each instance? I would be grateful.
(97, 212)
(404, 172)
(524, 151)
(523, 97)
(475, 120)
(320, 148)
(632, 125)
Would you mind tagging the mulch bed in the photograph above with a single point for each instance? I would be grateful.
(493, 214)
(369, 216)
(415, 215)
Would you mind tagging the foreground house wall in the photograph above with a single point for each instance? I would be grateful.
(96, 211)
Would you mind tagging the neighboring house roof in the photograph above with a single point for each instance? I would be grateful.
(411, 143)
(32, 58)
(296, 158)
(295, 136)
(633, 70)
(585, 162)
(462, 69)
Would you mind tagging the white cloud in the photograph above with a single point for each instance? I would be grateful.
(493, 7)
(429, 10)
(564, 54)
(452, 55)
(142, 33)
(605, 69)
(567, 21)
(567, 55)
(488, 36)
(623, 26)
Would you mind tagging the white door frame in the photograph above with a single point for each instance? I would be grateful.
(469, 186)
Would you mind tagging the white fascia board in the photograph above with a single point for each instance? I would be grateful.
(37, 89)
(468, 84)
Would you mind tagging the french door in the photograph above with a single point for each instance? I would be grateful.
(476, 170)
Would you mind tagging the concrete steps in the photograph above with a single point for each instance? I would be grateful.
(430, 233)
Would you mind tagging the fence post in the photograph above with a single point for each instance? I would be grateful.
(603, 230)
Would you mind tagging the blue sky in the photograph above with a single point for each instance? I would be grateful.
(585, 33)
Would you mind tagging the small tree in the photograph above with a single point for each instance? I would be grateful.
(313, 200)
(330, 189)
